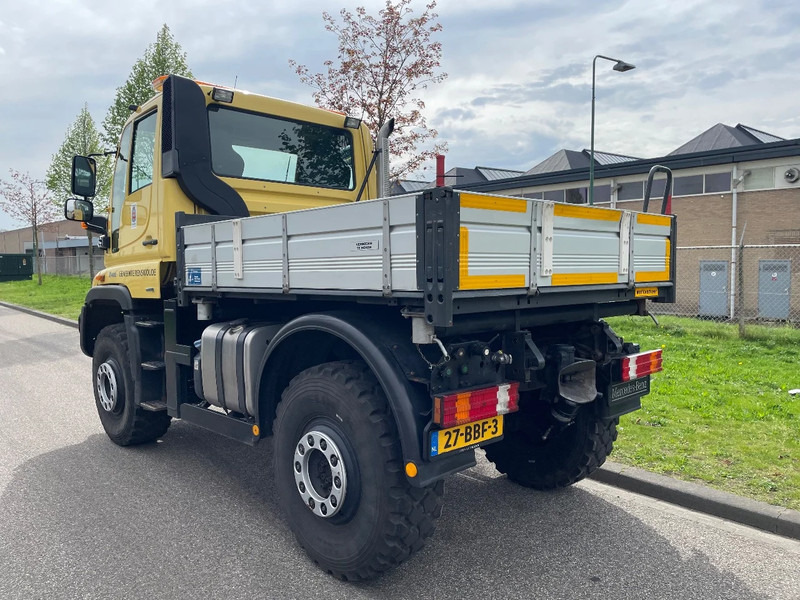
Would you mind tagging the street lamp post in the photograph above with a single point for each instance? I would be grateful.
(620, 66)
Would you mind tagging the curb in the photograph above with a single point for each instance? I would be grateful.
(700, 498)
(42, 315)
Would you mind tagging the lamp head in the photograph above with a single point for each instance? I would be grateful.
(623, 66)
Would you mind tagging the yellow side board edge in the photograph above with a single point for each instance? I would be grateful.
(493, 203)
(651, 276)
(648, 219)
(586, 212)
(583, 278)
(481, 282)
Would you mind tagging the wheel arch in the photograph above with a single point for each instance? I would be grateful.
(111, 305)
(383, 344)
(104, 305)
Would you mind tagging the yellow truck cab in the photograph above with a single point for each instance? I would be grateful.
(197, 148)
(260, 282)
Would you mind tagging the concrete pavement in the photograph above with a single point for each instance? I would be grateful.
(693, 496)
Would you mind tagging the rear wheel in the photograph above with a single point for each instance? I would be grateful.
(562, 458)
(125, 423)
(339, 474)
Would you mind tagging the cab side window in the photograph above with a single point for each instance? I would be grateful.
(144, 139)
(118, 189)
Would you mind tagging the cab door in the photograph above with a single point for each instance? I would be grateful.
(137, 236)
(133, 256)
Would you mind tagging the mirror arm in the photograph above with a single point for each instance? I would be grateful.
(104, 153)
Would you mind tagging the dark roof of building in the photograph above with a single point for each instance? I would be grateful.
(761, 136)
(718, 156)
(721, 136)
(404, 186)
(721, 144)
(493, 174)
(462, 175)
(455, 177)
(609, 158)
(564, 160)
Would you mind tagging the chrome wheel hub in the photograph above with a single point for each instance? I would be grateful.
(107, 388)
(319, 473)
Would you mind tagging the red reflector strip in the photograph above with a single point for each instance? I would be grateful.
(639, 365)
(475, 405)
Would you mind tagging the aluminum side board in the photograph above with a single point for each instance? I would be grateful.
(436, 244)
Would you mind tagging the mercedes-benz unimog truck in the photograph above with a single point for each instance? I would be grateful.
(259, 282)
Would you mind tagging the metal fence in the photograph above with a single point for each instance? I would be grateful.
(756, 283)
(70, 265)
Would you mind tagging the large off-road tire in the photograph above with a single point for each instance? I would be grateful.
(339, 474)
(125, 423)
(563, 458)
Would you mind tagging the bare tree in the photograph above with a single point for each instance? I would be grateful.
(384, 63)
(27, 199)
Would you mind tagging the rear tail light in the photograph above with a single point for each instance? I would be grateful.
(465, 407)
(639, 365)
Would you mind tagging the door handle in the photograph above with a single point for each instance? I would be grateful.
(150, 242)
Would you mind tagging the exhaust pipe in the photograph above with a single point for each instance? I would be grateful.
(382, 148)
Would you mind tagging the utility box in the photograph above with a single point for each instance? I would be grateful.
(774, 282)
(15, 267)
(713, 289)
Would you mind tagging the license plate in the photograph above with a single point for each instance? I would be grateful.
(628, 389)
(464, 436)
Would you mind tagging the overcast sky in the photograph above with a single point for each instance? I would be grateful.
(519, 85)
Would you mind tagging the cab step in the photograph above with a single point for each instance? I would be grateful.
(153, 406)
(149, 323)
(153, 365)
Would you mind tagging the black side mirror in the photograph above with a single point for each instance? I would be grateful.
(76, 209)
(84, 176)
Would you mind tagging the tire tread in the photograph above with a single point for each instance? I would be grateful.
(509, 459)
(146, 426)
(412, 511)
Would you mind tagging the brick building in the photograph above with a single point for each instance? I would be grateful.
(731, 185)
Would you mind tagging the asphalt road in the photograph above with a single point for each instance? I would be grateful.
(194, 516)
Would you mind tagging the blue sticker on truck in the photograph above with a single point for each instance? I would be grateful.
(194, 276)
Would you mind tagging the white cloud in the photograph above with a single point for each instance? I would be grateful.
(519, 83)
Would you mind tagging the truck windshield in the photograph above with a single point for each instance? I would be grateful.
(257, 146)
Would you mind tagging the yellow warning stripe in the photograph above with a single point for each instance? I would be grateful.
(585, 212)
(648, 219)
(650, 276)
(493, 203)
(481, 282)
(583, 278)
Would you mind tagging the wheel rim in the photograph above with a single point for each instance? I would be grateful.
(320, 473)
(107, 386)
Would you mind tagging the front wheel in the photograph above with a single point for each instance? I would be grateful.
(536, 458)
(124, 422)
(339, 474)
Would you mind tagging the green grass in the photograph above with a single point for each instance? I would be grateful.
(720, 412)
(58, 295)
